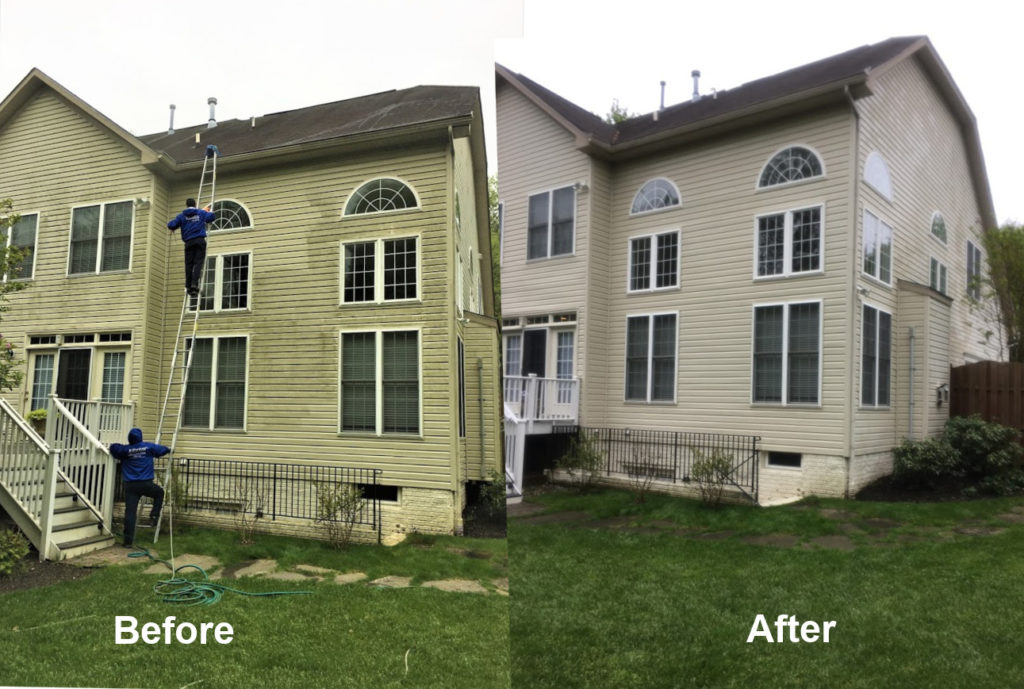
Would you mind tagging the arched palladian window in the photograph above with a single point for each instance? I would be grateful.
(381, 195)
(939, 226)
(876, 174)
(231, 215)
(791, 165)
(657, 194)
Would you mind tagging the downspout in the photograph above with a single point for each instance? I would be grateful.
(480, 402)
(913, 378)
(854, 297)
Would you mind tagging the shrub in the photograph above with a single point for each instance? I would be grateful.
(922, 463)
(13, 547)
(337, 506)
(984, 449)
(711, 471)
(581, 461)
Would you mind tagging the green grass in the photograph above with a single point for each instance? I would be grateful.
(340, 636)
(916, 605)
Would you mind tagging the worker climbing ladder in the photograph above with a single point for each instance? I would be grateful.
(181, 361)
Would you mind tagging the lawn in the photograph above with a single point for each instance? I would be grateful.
(610, 593)
(354, 635)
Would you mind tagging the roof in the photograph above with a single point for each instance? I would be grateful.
(380, 112)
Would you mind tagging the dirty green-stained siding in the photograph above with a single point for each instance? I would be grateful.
(483, 399)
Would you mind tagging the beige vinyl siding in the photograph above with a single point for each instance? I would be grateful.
(295, 318)
(537, 154)
(55, 157)
(592, 346)
(482, 347)
(718, 291)
(467, 238)
(912, 314)
(937, 365)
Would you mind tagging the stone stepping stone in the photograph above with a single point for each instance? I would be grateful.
(501, 585)
(392, 582)
(777, 540)
(837, 542)
(207, 562)
(289, 576)
(114, 555)
(253, 569)
(555, 518)
(456, 586)
(313, 569)
(979, 530)
(524, 509)
(713, 535)
(830, 513)
(1011, 517)
(881, 523)
(349, 578)
(609, 523)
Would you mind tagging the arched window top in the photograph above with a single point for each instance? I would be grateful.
(791, 165)
(231, 215)
(876, 174)
(380, 196)
(939, 226)
(655, 195)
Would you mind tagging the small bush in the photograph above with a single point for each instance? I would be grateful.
(492, 494)
(337, 506)
(711, 472)
(13, 547)
(581, 461)
(985, 449)
(1005, 484)
(922, 463)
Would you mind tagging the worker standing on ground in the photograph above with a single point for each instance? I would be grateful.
(137, 470)
(192, 222)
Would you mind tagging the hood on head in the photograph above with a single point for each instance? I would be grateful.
(134, 436)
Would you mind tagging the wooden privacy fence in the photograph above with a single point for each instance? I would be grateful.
(993, 389)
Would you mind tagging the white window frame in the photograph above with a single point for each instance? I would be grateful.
(675, 188)
(784, 402)
(653, 264)
(551, 209)
(782, 185)
(250, 226)
(938, 275)
(973, 269)
(942, 240)
(787, 247)
(99, 239)
(35, 246)
(379, 273)
(860, 380)
(501, 233)
(344, 206)
(877, 248)
(379, 381)
(518, 334)
(218, 287)
(876, 175)
(650, 358)
(212, 420)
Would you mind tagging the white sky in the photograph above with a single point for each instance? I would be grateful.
(591, 53)
(131, 59)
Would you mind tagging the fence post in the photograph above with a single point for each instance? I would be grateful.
(49, 495)
(530, 403)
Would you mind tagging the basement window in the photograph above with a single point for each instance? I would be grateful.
(382, 493)
(785, 459)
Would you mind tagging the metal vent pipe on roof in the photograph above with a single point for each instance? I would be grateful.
(212, 102)
(170, 127)
(662, 106)
(696, 84)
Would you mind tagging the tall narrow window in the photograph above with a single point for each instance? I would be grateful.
(654, 262)
(876, 348)
(938, 227)
(400, 382)
(513, 354)
(358, 382)
(100, 238)
(877, 248)
(937, 274)
(564, 365)
(973, 271)
(113, 377)
(651, 358)
(551, 223)
(22, 236)
(42, 381)
(787, 353)
(380, 382)
(789, 243)
(462, 389)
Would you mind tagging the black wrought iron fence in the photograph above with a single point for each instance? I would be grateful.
(670, 455)
(267, 490)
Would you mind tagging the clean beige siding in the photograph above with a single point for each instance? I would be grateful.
(537, 154)
(466, 237)
(912, 315)
(717, 181)
(295, 318)
(56, 157)
(592, 344)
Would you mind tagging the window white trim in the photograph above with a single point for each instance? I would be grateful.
(931, 225)
(99, 238)
(551, 209)
(786, 305)
(877, 247)
(677, 204)
(379, 271)
(876, 175)
(501, 233)
(212, 420)
(860, 380)
(35, 245)
(344, 207)
(379, 381)
(218, 286)
(787, 257)
(938, 274)
(782, 185)
(653, 263)
(974, 270)
(229, 230)
(650, 358)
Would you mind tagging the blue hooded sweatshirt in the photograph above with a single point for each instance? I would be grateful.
(192, 222)
(137, 456)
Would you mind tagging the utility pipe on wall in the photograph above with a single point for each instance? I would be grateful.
(910, 425)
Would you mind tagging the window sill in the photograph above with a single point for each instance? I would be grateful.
(99, 273)
(389, 302)
(875, 408)
(787, 276)
(206, 429)
(367, 435)
(653, 290)
(783, 467)
(877, 281)
(784, 405)
(648, 403)
(542, 259)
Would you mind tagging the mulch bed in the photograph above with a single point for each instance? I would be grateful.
(30, 573)
(885, 490)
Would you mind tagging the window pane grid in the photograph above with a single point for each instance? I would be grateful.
(384, 194)
(85, 229)
(771, 235)
(23, 236)
(112, 389)
(655, 195)
(637, 350)
(806, 240)
(42, 381)
(790, 165)
(117, 236)
(359, 272)
(235, 282)
(400, 268)
(229, 215)
(667, 270)
(563, 365)
(513, 354)
(639, 264)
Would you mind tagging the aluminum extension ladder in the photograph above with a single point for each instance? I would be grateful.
(185, 347)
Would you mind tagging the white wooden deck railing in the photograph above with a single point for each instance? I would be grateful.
(74, 428)
(543, 399)
(28, 472)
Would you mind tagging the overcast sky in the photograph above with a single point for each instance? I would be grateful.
(132, 59)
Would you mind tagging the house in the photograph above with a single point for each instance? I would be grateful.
(346, 330)
(789, 260)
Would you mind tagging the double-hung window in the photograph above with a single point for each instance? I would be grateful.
(789, 243)
(216, 392)
(551, 225)
(22, 236)
(877, 248)
(973, 271)
(937, 275)
(380, 270)
(226, 284)
(380, 381)
(654, 262)
(876, 352)
(101, 238)
(787, 353)
(651, 357)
